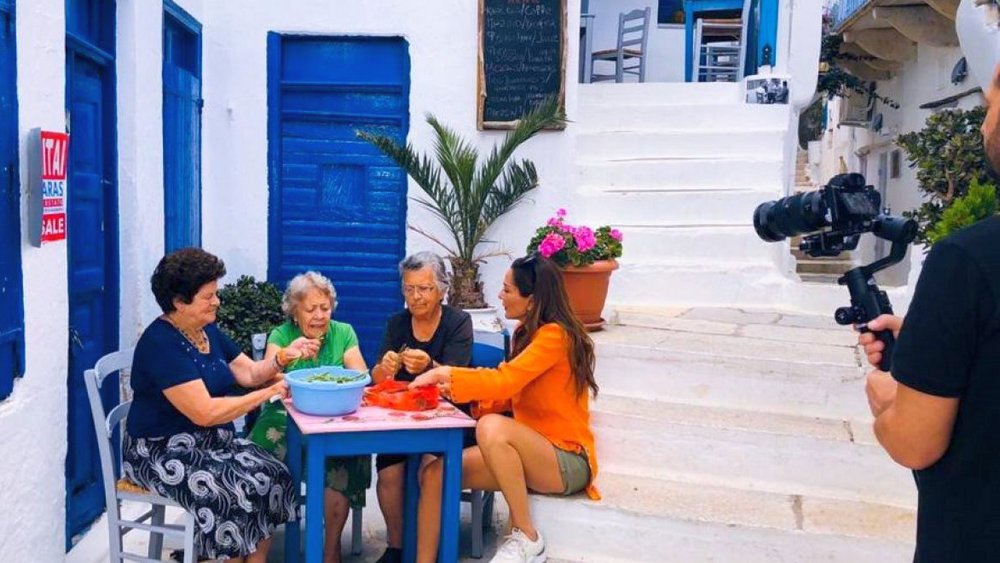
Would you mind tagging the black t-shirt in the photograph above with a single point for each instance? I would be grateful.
(950, 347)
(451, 344)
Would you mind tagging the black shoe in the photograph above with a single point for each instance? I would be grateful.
(391, 555)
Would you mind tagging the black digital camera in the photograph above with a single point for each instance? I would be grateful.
(832, 220)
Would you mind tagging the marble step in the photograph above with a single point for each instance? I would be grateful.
(650, 519)
(838, 458)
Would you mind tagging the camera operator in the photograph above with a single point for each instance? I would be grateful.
(938, 412)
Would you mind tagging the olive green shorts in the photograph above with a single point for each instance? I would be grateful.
(575, 470)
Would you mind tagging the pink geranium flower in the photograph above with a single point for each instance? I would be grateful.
(575, 245)
(551, 244)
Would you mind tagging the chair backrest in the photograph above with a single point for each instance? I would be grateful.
(488, 356)
(105, 423)
(633, 29)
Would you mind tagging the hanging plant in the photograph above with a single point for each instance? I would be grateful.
(834, 80)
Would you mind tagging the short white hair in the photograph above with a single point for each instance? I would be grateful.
(426, 259)
(301, 284)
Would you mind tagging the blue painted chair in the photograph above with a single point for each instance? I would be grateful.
(117, 489)
(484, 356)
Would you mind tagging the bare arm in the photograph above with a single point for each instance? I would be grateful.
(916, 427)
(194, 402)
(354, 360)
(249, 373)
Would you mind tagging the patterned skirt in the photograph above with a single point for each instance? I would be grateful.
(237, 492)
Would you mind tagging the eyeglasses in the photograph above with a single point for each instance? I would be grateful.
(418, 289)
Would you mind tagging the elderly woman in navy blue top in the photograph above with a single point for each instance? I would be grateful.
(179, 438)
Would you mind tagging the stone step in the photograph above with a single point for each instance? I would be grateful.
(799, 255)
(686, 117)
(769, 368)
(659, 174)
(819, 279)
(835, 267)
(718, 284)
(642, 518)
(673, 144)
(603, 96)
(682, 242)
(837, 458)
(672, 208)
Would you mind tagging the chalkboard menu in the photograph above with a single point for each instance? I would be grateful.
(522, 58)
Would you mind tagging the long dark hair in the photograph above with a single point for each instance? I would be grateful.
(538, 277)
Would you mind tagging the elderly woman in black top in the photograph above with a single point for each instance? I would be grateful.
(179, 439)
(427, 333)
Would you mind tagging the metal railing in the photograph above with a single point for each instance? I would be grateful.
(843, 10)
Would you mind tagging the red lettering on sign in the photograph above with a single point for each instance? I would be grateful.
(54, 155)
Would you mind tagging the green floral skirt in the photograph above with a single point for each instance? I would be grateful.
(350, 476)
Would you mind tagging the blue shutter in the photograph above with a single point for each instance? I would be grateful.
(181, 128)
(11, 299)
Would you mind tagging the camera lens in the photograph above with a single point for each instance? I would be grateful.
(790, 216)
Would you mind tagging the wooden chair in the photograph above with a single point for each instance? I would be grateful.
(633, 34)
(118, 489)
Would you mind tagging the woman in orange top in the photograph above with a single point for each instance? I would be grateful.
(548, 447)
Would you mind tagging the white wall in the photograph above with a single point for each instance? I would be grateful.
(924, 79)
(441, 35)
(33, 418)
(665, 43)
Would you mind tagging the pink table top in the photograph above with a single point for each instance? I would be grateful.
(368, 419)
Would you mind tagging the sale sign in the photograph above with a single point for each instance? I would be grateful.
(49, 163)
(55, 151)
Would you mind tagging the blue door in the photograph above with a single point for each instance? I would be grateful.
(11, 303)
(181, 128)
(337, 205)
(92, 240)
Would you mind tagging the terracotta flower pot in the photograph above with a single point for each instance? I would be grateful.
(587, 287)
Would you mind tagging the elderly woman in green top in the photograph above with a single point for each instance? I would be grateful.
(309, 302)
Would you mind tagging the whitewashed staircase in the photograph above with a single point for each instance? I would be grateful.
(680, 168)
(726, 435)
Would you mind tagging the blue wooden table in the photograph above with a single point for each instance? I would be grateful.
(377, 430)
(691, 10)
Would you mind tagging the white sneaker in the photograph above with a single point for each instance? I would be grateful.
(519, 549)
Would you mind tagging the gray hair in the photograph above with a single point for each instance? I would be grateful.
(426, 259)
(302, 283)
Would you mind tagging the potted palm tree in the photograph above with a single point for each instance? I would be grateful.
(468, 193)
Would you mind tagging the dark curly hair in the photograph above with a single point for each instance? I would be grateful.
(182, 273)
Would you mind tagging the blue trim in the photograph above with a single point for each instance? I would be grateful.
(11, 327)
(79, 48)
(767, 33)
(182, 128)
(182, 17)
(843, 10)
(273, 156)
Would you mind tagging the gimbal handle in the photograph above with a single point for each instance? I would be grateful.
(867, 300)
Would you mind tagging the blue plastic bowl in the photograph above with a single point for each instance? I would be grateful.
(326, 398)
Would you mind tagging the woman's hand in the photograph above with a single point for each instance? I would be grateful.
(302, 348)
(390, 364)
(416, 361)
(440, 376)
(277, 389)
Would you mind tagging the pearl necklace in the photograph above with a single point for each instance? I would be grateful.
(199, 340)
